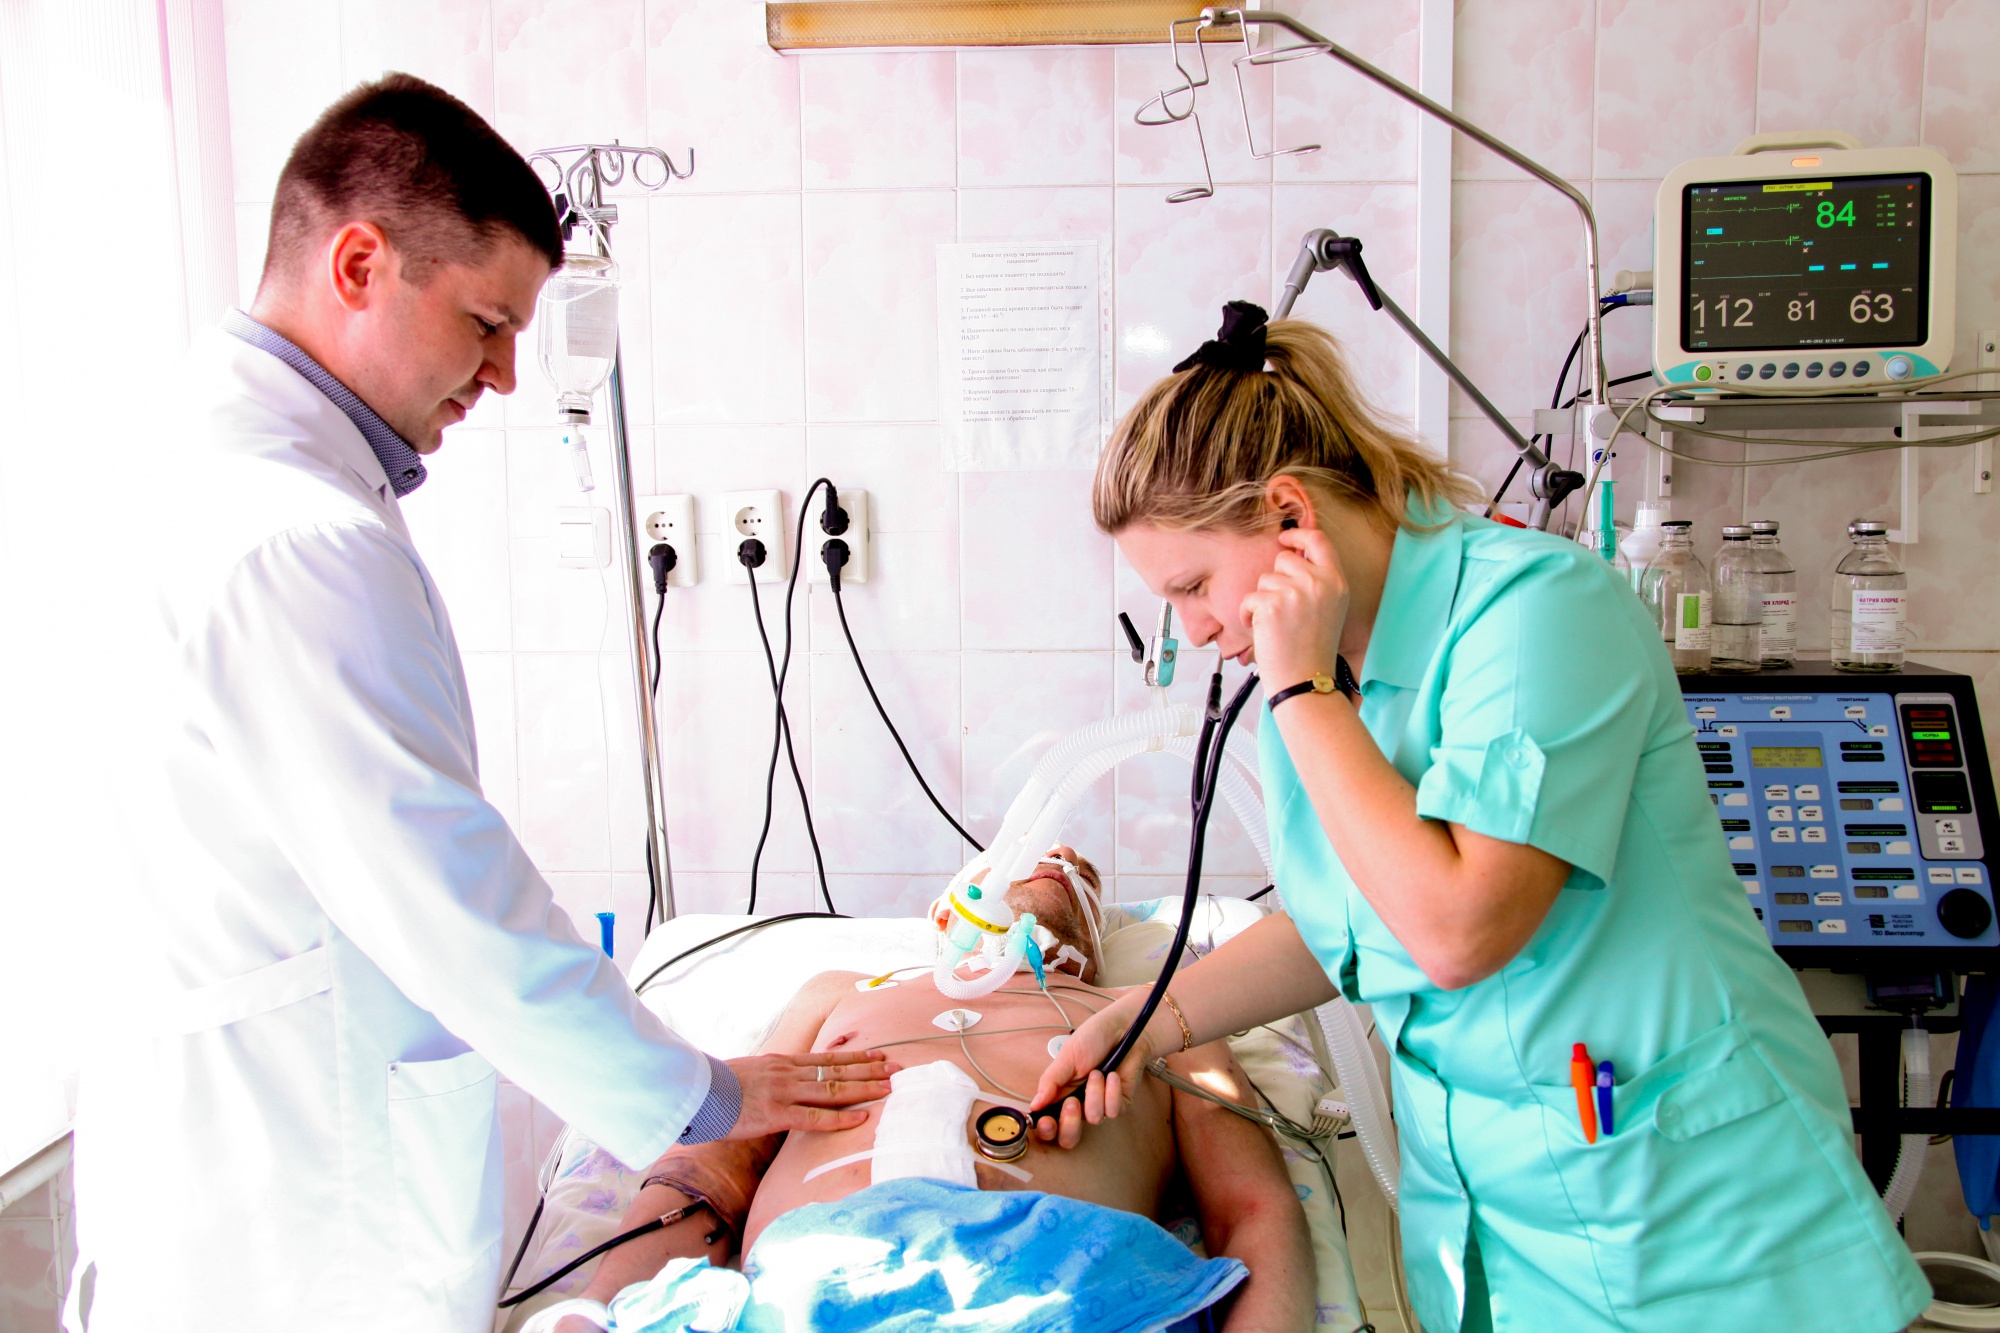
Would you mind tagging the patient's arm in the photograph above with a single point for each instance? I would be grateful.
(725, 1172)
(1248, 1208)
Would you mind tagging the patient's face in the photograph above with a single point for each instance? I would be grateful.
(1049, 894)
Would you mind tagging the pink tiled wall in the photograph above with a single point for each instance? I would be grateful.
(779, 325)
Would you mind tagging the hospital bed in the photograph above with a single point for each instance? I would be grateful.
(726, 998)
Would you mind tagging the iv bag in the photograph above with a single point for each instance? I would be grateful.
(579, 330)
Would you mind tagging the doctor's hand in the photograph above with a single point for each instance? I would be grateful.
(1298, 610)
(1077, 1061)
(821, 1091)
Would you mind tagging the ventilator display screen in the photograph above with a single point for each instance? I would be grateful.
(1785, 756)
(1800, 264)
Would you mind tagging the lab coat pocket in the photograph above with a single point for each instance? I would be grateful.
(445, 1144)
(1691, 1190)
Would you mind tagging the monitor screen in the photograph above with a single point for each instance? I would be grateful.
(1800, 264)
(1786, 756)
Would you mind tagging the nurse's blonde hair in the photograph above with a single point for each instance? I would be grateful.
(1199, 448)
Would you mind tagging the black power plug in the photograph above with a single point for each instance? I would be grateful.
(833, 519)
(663, 560)
(835, 555)
(750, 553)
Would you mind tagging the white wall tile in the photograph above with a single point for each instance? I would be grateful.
(560, 724)
(1035, 116)
(715, 86)
(569, 71)
(1176, 265)
(899, 465)
(1675, 79)
(1962, 84)
(728, 313)
(878, 119)
(1035, 571)
(871, 303)
(489, 680)
(1876, 45)
(1523, 71)
(1366, 132)
(1384, 219)
(447, 42)
(1170, 155)
(283, 69)
(1018, 705)
(874, 817)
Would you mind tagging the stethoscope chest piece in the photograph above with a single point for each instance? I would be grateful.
(1002, 1133)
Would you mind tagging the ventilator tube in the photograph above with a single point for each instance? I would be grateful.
(1910, 1158)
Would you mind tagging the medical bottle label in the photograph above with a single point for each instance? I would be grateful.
(1878, 619)
(1781, 623)
(1691, 616)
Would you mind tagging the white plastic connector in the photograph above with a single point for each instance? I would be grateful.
(583, 537)
(858, 565)
(670, 519)
(759, 514)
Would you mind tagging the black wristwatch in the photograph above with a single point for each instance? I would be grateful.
(1342, 680)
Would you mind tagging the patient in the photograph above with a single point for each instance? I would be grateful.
(1171, 1150)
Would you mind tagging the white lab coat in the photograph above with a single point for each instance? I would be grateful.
(295, 1126)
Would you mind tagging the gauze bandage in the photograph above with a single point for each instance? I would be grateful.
(922, 1130)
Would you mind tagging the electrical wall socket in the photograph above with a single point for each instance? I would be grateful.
(858, 564)
(759, 514)
(669, 519)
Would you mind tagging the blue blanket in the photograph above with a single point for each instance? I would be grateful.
(920, 1254)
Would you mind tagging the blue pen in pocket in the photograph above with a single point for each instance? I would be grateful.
(1605, 1077)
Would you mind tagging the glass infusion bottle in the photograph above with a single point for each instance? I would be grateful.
(1736, 636)
(1870, 592)
(1777, 590)
(1676, 587)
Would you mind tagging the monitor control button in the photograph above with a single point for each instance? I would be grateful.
(1791, 370)
(1813, 369)
(1745, 371)
(1860, 369)
(1964, 913)
(1766, 370)
(1899, 367)
(1837, 369)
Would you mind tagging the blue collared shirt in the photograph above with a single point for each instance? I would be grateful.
(400, 463)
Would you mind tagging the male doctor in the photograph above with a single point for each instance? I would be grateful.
(298, 1128)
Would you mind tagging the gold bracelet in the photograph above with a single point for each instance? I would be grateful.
(1187, 1033)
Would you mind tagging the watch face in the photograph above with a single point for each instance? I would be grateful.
(1323, 684)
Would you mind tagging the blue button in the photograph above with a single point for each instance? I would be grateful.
(1813, 369)
(1859, 368)
(1791, 370)
(1837, 369)
(1744, 371)
(1899, 367)
(1766, 370)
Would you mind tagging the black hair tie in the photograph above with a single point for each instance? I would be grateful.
(1238, 345)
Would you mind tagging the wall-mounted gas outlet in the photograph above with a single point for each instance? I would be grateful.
(670, 519)
(759, 514)
(857, 568)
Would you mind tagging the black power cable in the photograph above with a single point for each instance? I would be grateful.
(732, 934)
(834, 554)
(752, 555)
(662, 559)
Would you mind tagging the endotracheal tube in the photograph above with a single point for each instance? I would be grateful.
(579, 342)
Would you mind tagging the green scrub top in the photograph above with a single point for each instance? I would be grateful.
(1522, 688)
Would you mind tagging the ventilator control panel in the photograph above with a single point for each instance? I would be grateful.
(1857, 812)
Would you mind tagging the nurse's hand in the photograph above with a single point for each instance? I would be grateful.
(1298, 610)
(820, 1091)
(1079, 1057)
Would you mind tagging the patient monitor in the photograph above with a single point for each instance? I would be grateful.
(1805, 260)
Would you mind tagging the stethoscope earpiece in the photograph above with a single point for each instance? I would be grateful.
(1288, 524)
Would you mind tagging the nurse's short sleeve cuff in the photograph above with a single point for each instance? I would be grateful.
(718, 1111)
(1496, 790)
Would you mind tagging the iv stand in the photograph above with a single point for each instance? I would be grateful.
(579, 196)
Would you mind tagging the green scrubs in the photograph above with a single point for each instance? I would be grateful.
(1520, 686)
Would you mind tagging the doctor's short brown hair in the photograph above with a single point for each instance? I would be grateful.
(1199, 447)
(418, 163)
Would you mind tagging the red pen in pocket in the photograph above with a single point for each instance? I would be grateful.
(1583, 1077)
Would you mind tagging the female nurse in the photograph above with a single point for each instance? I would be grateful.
(1489, 823)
